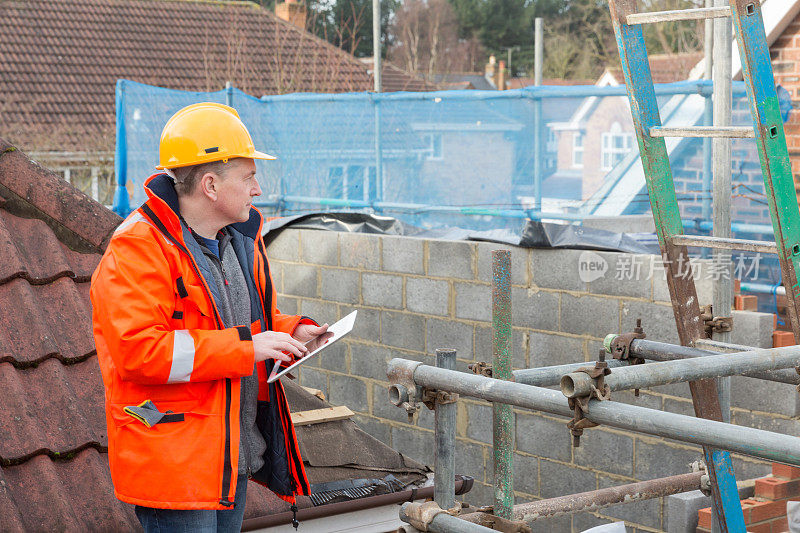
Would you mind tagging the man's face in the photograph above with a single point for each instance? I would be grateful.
(235, 191)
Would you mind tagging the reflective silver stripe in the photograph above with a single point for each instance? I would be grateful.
(132, 219)
(182, 357)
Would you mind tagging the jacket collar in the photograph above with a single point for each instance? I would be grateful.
(163, 199)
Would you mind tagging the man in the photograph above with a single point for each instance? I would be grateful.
(187, 331)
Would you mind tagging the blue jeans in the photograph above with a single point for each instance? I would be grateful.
(196, 521)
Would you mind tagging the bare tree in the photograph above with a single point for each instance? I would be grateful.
(425, 34)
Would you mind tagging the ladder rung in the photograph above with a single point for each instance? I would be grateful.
(725, 244)
(705, 131)
(682, 14)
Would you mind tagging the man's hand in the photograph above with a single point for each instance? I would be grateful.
(273, 344)
(306, 332)
(312, 336)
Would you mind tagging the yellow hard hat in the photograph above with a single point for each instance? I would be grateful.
(203, 133)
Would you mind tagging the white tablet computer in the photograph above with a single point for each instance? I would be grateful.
(339, 330)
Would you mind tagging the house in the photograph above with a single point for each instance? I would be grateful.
(600, 132)
(61, 61)
(624, 192)
(54, 451)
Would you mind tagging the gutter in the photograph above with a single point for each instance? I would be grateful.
(463, 486)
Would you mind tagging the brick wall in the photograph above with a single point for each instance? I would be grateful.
(785, 53)
(765, 512)
(416, 295)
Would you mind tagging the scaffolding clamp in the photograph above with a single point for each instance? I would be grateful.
(403, 391)
(484, 516)
(481, 368)
(715, 324)
(580, 404)
(420, 515)
(705, 479)
(619, 346)
(432, 397)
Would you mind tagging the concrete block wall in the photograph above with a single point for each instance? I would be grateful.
(416, 295)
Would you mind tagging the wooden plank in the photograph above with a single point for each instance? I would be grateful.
(317, 416)
(683, 14)
(719, 132)
(314, 392)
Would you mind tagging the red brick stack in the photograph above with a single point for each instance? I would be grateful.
(765, 512)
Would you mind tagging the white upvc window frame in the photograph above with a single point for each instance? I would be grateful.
(578, 142)
(615, 144)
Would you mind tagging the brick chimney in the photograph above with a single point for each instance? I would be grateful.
(293, 12)
(501, 76)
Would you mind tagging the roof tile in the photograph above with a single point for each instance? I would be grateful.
(51, 408)
(62, 495)
(43, 321)
(171, 43)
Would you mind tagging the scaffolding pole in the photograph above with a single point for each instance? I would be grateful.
(662, 351)
(597, 499)
(578, 384)
(444, 462)
(406, 375)
(503, 414)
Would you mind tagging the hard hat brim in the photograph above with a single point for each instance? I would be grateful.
(262, 155)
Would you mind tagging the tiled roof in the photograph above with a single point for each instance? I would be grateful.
(396, 79)
(666, 68)
(518, 83)
(61, 60)
(53, 452)
(53, 467)
(477, 80)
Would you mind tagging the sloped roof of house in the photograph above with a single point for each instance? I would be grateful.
(61, 61)
(394, 79)
(518, 83)
(665, 68)
(53, 454)
(477, 80)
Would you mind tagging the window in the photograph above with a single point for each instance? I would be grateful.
(434, 141)
(96, 182)
(616, 144)
(352, 182)
(552, 141)
(577, 150)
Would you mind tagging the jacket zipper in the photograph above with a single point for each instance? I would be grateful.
(227, 468)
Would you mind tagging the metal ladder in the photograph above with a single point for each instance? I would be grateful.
(778, 184)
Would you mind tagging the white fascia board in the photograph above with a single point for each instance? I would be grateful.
(374, 520)
(466, 126)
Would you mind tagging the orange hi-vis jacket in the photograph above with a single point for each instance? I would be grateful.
(160, 336)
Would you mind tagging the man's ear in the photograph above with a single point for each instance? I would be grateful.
(208, 185)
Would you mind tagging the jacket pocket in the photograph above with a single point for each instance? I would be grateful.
(176, 462)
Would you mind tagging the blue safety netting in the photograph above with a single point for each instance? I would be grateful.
(473, 159)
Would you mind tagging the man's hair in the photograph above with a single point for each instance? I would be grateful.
(186, 177)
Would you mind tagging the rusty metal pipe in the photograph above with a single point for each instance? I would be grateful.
(579, 384)
(597, 499)
(739, 439)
